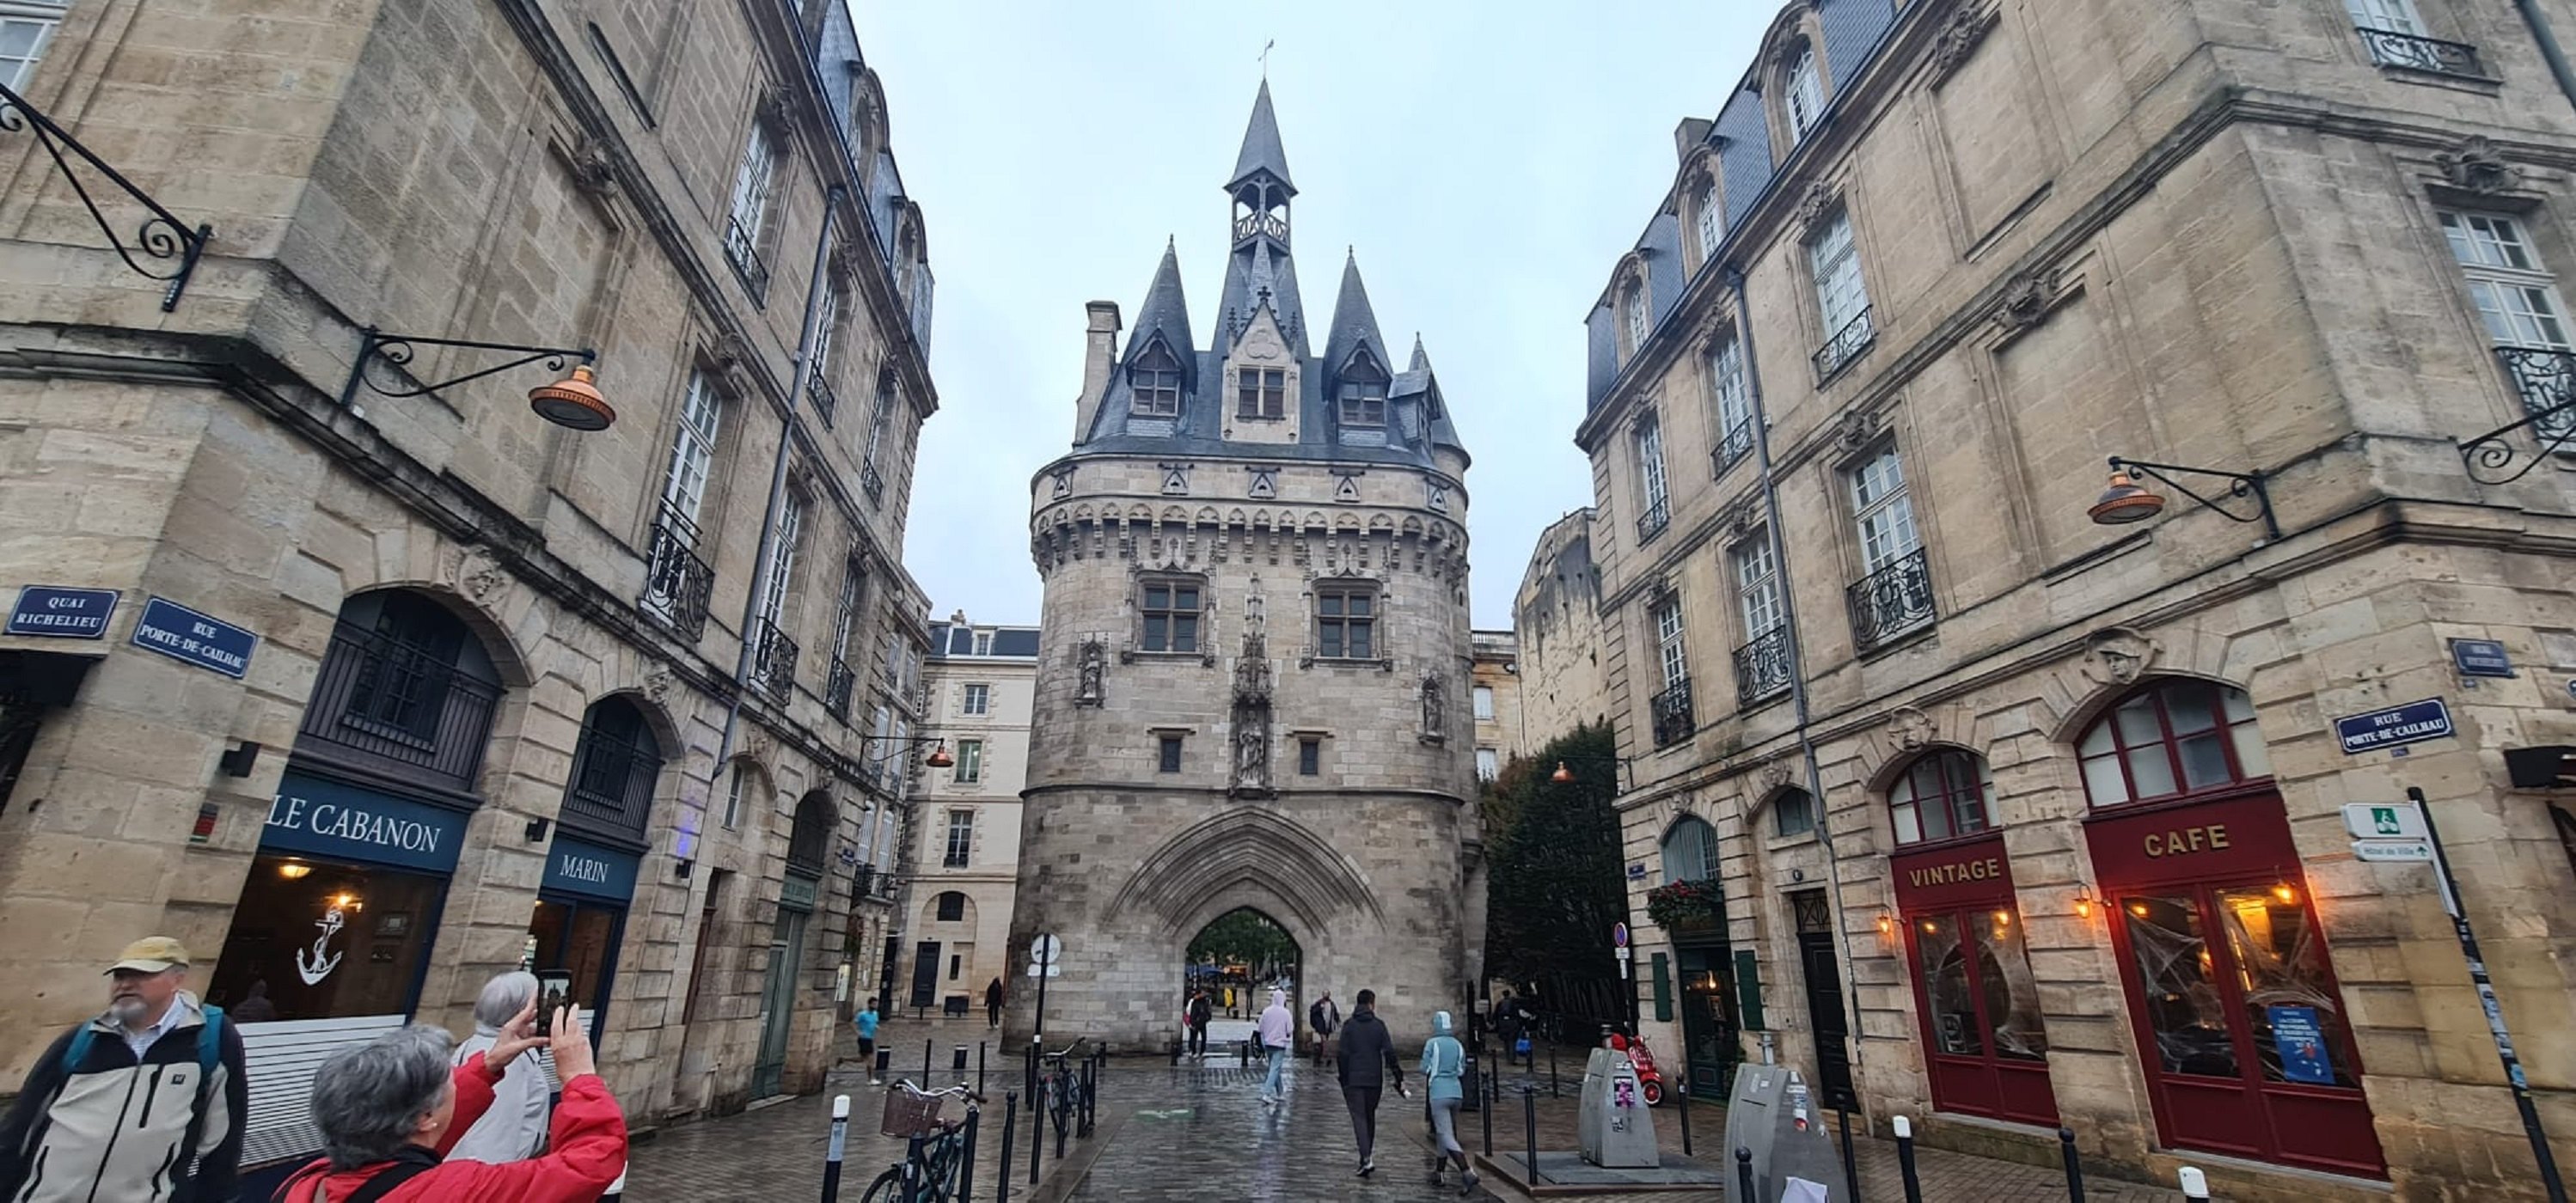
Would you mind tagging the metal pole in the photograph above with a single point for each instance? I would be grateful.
(1010, 1129)
(2549, 1179)
(1493, 1088)
(2074, 1168)
(1529, 1129)
(926, 1044)
(1037, 1109)
(1743, 1173)
(2549, 52)
(1684, 1094)
(840, 1143)
(1905, 1159)
(966, 1159)
(2195, 1185)
(979, 1067)
(915, 1169)
(957, 1063)
(1551, 1068)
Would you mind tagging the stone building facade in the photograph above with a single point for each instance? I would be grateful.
(2025, 818)
(1556, 622)
(981, 686)
(1253, 671)
(1494, 700)
(395, 684)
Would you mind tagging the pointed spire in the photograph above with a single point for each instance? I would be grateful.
(1354, 324)
(1261, 150)
(1421, 359)
(1165, 310)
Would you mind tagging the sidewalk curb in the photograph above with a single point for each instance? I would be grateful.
(1068, 1175)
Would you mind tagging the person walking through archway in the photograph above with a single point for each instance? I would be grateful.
(993, 995)
(1444, 1067)
(1366, 1058)
(1326, 1018)
(1278, 1036)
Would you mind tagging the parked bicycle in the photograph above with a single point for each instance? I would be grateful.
(935, 1158)
(1062, 1085)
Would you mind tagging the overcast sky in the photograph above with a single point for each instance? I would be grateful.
(1490, 170)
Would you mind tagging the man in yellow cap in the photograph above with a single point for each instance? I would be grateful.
(143, 1103)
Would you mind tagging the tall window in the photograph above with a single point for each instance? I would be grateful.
(733, 798)
(1489, 764)
(1841, 297)
(1734, 403)
(970, 761)
(820, 385)
(1167, 756)
(1346, 621)
(1155, 378)
(1793, 813)
(879, 413)
(2395, 16)
(1484, 698)
(25, 27)
(693, 449)
(1363, 392)
(1669, 652)
(2177, 737)
(1635, 314)
(2517, 298)
(1757, 586)
(961, 839)
(845, 621)
(1946, 793)
(1310, 756)
(782, 562)
(1171, 610)
(1885, 514)
(979, 699)
(753, 180)
(1654, 501)
(1711, 219)
(1806, 95)
(1260, 393)
(1690, 851)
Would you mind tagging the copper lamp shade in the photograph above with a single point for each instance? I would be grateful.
(939, 757)
(2125, 501)
(573, 402)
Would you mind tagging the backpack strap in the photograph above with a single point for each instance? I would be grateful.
(390, 1179)
(78, 1050)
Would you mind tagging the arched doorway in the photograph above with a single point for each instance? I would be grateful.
(1236, 960)
(808, 843)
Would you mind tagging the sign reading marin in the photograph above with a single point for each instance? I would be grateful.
(183, 634)
(576, 867)
(57, 612)
(318, 817)
(2412, 723)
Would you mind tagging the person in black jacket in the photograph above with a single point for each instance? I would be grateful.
(1200, 1012)
(143, 1104)
(1366, 1057)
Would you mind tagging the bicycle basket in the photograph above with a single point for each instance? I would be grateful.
(907, 1117)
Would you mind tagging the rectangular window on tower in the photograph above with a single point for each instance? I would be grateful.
(1171, 616)
(1310, 756)
(1346, 622)
(1168, 754)
(1260, 393)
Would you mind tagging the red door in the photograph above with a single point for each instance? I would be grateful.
(1984, 1046)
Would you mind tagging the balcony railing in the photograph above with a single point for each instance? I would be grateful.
(611, 792)
(677, 583)
(742, 250)
(773, 658)
(871, 481)
(2389, 48)
(819, 391)
(1762, 666)
(1895, 599)
(1672, 713)
(1845, 346)
(1658, 515)
(2546, 378)
(383, 704)
(837, 689)
(1732, 449)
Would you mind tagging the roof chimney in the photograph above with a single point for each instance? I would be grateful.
(1690, 135)
(1099, 357)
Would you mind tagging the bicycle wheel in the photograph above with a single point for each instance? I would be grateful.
(888, 1188)
(942, 1161)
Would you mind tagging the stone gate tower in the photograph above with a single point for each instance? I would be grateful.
(1254, 668)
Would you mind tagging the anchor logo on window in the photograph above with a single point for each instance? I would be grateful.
(324, 960)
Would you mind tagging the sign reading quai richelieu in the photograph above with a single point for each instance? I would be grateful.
(344, 822)
(57, 612)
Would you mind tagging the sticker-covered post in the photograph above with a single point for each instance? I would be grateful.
(2513, 1074)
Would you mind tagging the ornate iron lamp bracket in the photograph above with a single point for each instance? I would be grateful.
(2240, 485)
(398, 350)
(2494, 451)
(164, 235)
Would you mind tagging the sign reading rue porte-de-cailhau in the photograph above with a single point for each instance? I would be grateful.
(183, 634)
(2396, 726)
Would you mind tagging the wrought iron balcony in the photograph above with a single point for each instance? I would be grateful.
(677, 583)
(611, 792)
(1260, 223)
(1895, 599)
(391, 706)
(1845, 346)
(1762, 666)
(2546, 378)
(1672, 713)
(819, 391)
(1732, 449)
(742, 250)
(1658, 515)
(773, 658)
(2389, 48)
(837, 689)
(871, 481)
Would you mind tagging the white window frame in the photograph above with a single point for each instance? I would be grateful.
(2395, 16)
(1711, 219)
(1489, 764)
(854, 586)
(880, 411)
(1483, 697)
(1806, 95)
(733, 798)
(1883, 510)
(1726, 377)
(959, 852)
(2515, 294)
(823, 334)
(782, 563)
(1635, 312)
(753, 179)
(983, 643)
(1757, 586)
(970, 762)
(44, 19)
(693, 448)
(1672, 654)
(978, 699)
(1834, 258)
(1652, 484)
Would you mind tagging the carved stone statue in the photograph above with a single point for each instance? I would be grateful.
(1095, 663)
(1252, 752)
(1435, 725)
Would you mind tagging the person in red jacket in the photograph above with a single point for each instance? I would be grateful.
(390, 1110)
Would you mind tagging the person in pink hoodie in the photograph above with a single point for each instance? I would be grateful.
(1278, 1035)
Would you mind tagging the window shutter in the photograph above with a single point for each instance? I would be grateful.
(1663, 989)
(1748, 990)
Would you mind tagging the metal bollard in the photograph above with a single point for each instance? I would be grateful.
(926, 1045)
(979, 1067)
(1010, 1129)
(957, 1063)
(1529, 1128)
(914, 1189)
(1551, 1069)
(1493, 1088)
(2074, 1169)
(2195, 1185)
(884, 1065)
(1684, 1094)
(1743, 1172)
(1060, 1135)
(966, 1158)
(1851, 1167)
(840, 1143)
(1905, 1158)
(1037, 1116)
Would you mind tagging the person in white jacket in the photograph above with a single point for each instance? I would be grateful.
(514, 1129)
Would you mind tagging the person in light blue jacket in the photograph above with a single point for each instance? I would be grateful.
(1444, 1066)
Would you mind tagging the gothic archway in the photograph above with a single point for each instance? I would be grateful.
(1235, 960)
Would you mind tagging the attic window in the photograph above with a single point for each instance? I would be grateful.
(1155, 378)
(1261, 393)
(1363, 393)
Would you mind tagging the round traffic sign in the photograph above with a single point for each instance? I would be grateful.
(1045, 950)
(1618, 935)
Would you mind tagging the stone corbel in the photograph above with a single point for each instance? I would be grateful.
(2475, 165)
(1958, 37)
(2118, 655)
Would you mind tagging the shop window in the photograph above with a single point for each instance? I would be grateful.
(1690, 851)
(614, 768)
(1945, 794)
(2172, 739)
(579, 939)
(1978, 986)
(323, 939)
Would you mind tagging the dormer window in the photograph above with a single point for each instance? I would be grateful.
(1806, 95)
(1363, 393)
(1155, 378)
(1712, 222)
(1260, 393)
(1632, 311)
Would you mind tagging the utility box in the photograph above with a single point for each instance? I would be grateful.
(1615, 1129)
(1771, 1115)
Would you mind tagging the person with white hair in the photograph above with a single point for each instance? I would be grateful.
(515, 1126)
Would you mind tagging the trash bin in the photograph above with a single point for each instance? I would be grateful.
(1771, 1114)
(1615, 1130)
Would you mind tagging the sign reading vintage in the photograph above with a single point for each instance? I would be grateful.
(57, 612)
(1972, 874)
(2412, 723)
(183, 634)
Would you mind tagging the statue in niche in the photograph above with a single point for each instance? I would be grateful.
(1094, 665)
(1434, 712)
(1252, 717)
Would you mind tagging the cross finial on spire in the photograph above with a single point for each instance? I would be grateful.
(1265, 58)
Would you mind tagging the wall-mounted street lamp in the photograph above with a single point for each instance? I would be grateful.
(2125, 501)
(163, 235)
(938, 758)
(573, 402)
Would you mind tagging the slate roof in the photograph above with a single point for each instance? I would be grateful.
(1261, 149)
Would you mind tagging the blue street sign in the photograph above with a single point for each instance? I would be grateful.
(180, 633)
(2411, 723)
(2481, 658)
(57, 612)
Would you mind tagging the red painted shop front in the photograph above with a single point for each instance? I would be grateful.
(2239, 1023)
(1984, 1047)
